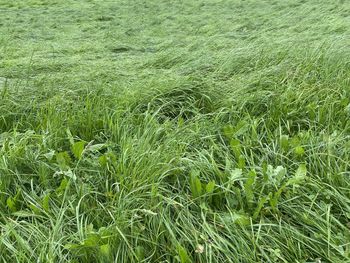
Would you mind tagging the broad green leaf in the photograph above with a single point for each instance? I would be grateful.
(210, 187)
(195, 184)
(203, 206)
(184, 258)
(90, 228)
(78, 149)
(260, 205)
(50, 155)
(275, 198)
(241, 219)
(102, 160)
(241, 128)
(347, 110)
(284, 142)
(299, 151)
(35, 209)
(294, 141)
(108, 158)
(63, 160)
(69, 173)
(279, 174)
(241, 162)
(236, 147)
(63, 186)
(265, 170)
(46, 202)
(248, 187)
(236, 174)
(254, 132)
(198, 186)
(96, 147)
(105, 250)
(154, 191)
(18, 194)
(11, 204)
(275, 175)
(300, 175)
(70, 136)
(236, 199)
(301, 171)
(140, 253)
(92, 240)
(180, 122)
(229, 131)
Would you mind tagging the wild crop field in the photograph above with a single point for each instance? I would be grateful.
(175, 131)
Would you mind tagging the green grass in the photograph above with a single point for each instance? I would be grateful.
(174, 131)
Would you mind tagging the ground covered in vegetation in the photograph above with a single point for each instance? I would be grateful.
(174, 131)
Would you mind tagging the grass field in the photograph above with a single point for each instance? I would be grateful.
(175, 131)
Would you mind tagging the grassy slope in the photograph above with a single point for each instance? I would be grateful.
(142, 130)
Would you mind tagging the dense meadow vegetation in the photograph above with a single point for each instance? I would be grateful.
(175, 131)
